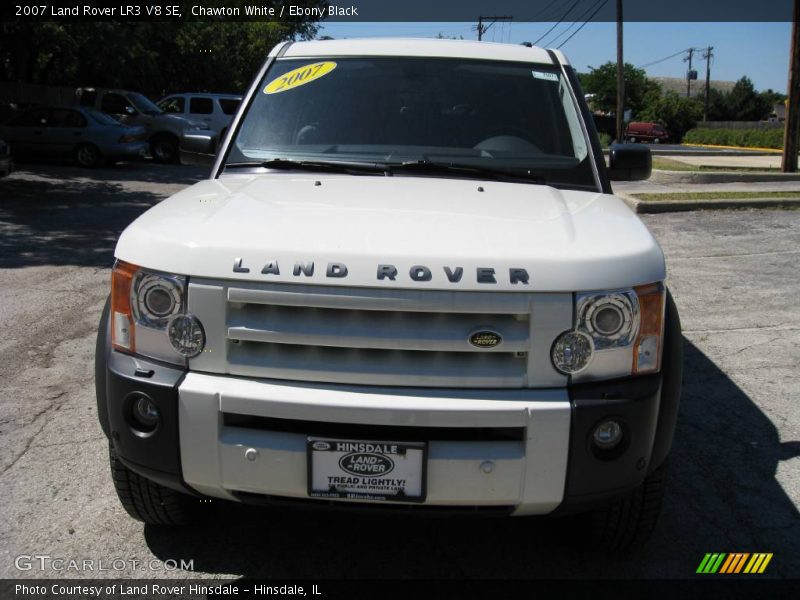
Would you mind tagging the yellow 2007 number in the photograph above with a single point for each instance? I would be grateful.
(299, 76)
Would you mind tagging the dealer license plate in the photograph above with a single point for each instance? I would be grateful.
(365, 470)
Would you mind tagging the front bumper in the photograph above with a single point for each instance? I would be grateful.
(537, 440)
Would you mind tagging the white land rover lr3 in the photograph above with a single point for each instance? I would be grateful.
(406, 284)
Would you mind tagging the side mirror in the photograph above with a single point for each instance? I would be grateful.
(629, 162)
(198, 148)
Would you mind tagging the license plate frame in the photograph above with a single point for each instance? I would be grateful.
(367, 487)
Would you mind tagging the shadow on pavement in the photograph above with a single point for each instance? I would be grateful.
(137, 171)
(62, 215)
(723, 497)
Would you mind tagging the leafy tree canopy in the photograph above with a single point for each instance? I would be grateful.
(602, 82)
(155, 58)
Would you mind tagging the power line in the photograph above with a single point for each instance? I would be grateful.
(541, 13)
(578, 20)
(584, 23)
(564, 16)
(660, 60)
(482, 29)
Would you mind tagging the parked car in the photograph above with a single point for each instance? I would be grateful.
(132, 108)
(87, 135)
(6, 159)
(215, 110)
(646, 132)
(488, 328)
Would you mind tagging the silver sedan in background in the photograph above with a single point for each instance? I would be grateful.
(87, 135)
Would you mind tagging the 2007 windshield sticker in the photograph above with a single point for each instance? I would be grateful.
(299, 76)
(544, 75)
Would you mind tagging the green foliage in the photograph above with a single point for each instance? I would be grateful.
(675, 112)
(745, 104)
(605, 139)
(755, 138)
(602, 82)
(742, 103)
(154, 58)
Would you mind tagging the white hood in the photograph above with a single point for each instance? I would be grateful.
(563, 240)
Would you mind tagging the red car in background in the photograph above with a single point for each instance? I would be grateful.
(646, 132)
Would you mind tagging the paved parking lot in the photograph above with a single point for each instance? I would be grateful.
(735, 478)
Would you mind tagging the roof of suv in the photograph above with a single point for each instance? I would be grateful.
(418, 47)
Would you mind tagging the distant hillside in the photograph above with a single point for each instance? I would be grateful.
(677, 84)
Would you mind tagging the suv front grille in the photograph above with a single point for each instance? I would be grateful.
(380, 337)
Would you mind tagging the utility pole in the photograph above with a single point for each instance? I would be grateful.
(707, 54)
(689, 72)
(620, 78)
(482, 28)
(792, 131)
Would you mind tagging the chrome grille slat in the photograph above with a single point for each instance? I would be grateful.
(374, 329)
(379, 299)
(375, 367)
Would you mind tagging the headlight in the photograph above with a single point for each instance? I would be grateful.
(149, 315)
(611, 319)
(572, 352)
(617, 333)
(156, 298)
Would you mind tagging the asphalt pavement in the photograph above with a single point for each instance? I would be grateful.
(734, 481)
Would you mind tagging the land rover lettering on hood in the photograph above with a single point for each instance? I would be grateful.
(406, 283)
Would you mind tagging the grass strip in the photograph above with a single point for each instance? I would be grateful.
(673, 196)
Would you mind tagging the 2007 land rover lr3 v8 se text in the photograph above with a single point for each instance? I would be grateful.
(406, 284)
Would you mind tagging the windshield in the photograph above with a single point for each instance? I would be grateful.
(144, 104)
(507, 117)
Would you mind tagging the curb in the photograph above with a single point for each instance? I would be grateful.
(745, 148)
(666, 206)
(662, 176)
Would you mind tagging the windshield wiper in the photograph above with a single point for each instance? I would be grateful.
(325, 166)
(433, 167)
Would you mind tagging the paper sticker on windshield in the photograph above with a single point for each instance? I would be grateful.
(545, 75)
(299, 76)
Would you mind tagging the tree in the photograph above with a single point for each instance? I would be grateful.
(745, 104)
(602, 82)
(718, 106)
(675, 112)
(186, 55)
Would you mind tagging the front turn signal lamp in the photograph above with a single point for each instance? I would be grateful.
(648, 346)
(123, 332)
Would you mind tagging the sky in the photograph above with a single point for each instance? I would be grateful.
(758, 50)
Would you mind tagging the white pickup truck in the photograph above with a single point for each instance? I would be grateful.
(406, 285)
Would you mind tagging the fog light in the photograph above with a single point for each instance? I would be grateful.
(186, 335)
(607, 435)
(146, 412)
(572, 352)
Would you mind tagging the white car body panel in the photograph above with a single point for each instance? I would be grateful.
(428, 48)
(566, 240)
(529, 474)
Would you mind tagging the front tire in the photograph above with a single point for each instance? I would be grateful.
(628, 522)
(87, 155)
(147, 501)
(164, 148)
